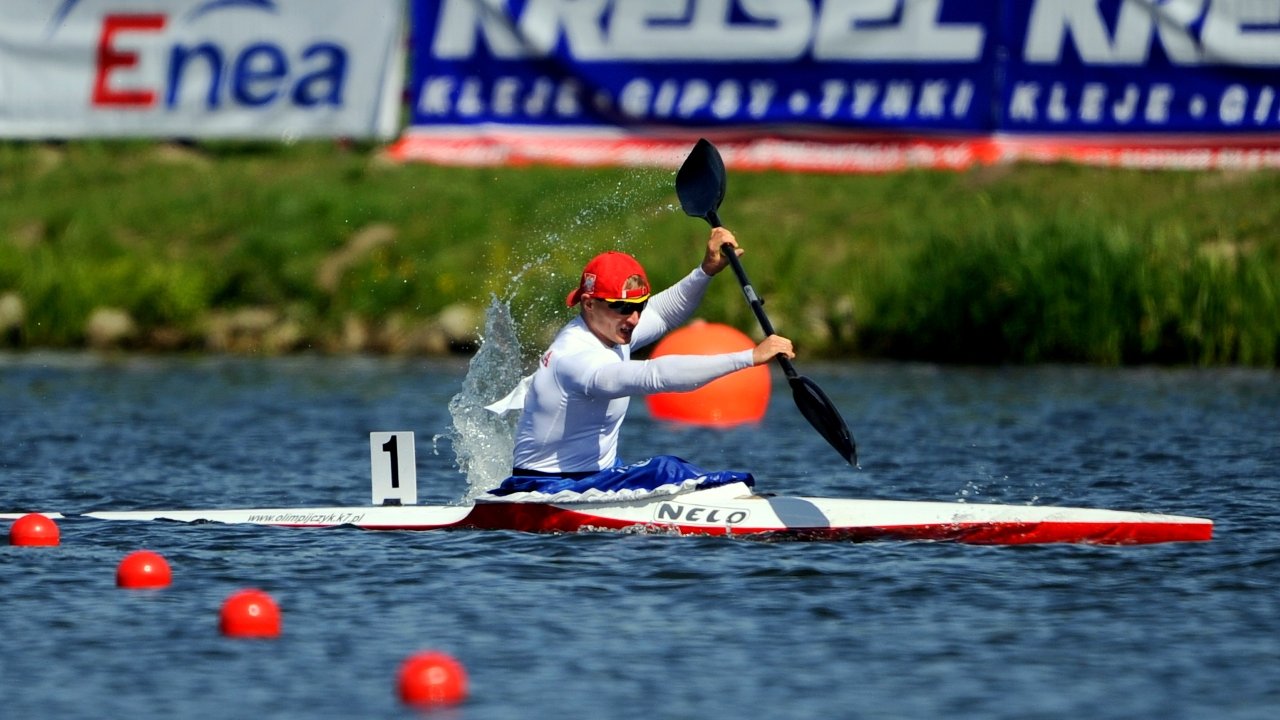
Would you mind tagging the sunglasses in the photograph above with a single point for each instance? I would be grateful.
(626, 307)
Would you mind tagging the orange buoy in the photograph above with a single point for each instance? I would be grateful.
(432, 678)
(250, 613)
(34, 529)
(736, 398)
(143, 569)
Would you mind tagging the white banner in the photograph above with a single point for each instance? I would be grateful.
(279, 69)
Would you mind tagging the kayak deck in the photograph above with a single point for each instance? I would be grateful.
(805, 518)
(733, 510)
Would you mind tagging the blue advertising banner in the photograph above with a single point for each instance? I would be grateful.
(843, 84)
(918, 65)
(1124, 66)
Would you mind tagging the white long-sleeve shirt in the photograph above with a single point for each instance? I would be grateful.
(578, 396)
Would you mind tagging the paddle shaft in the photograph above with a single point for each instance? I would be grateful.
(757, 305)
(700, 183)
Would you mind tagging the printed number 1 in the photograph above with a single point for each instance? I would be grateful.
(390, 447)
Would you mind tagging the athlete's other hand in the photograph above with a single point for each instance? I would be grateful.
(771, 347)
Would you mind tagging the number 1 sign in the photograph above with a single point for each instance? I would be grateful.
(393, 468)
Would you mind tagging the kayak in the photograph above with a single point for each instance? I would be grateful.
(669, 496)
(735, 510)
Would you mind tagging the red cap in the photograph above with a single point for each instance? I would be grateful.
(605, 276)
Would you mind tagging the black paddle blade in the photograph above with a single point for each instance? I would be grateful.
(823, 416)
(700, 184)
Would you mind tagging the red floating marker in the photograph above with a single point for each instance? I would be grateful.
(432, 678)
(251, 614)
(733, 399)
(34, 529)
(143, 569)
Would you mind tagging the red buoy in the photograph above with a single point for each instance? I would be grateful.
(34, 529)
(736, 398)
(250, 613)
(432, 678)
(143, 569)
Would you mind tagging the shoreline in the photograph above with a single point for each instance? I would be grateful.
(272, 249)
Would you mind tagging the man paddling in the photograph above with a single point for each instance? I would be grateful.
(576, 400)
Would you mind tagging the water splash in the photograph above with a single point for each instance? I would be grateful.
(970, 490)
(483, 441)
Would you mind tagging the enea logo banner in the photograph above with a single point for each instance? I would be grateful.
(842, 84)
(279, 69)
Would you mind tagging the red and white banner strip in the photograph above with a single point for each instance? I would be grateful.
(835, 154)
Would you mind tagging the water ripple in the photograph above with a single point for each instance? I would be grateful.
(623, 625)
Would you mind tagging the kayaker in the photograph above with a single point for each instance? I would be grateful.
(577, 398)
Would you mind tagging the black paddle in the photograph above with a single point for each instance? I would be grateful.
(700, 184)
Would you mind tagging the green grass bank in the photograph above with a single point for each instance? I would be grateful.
(315, 246)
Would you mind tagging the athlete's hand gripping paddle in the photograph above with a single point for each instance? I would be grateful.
(700, 185)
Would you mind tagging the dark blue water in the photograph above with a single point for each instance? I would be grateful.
(633, 626)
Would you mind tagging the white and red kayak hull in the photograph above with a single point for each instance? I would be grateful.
(735, 510)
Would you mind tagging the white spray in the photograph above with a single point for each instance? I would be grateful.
(483, 441)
